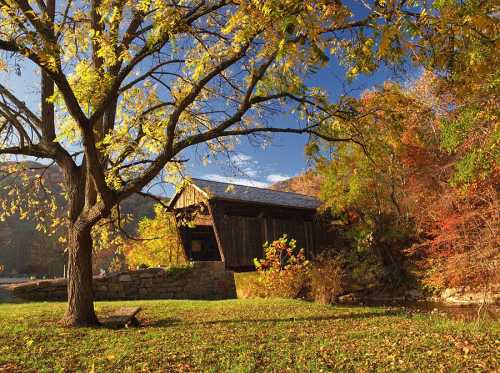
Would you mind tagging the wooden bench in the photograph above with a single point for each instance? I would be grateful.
(122, 318)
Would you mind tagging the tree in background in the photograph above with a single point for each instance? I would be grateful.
(425, 176)
(158, 244)
(31, 246)
(127, 86)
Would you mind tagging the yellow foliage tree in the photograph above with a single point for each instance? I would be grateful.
(158, 244)
(127, 86)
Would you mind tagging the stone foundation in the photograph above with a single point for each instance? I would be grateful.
(205, 280)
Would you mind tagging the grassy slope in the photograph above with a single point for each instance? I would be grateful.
(244, 335)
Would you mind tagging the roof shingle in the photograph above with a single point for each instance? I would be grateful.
(236, 192)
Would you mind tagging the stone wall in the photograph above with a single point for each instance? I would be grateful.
(205, 280)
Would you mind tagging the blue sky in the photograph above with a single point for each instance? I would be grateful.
(284, 157)
(250, 163)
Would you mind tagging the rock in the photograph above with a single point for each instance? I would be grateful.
(125, 278)
(123, 317)
(115, 288)
(414, 294)
(447, 293)
(348, 298)
(466, 296)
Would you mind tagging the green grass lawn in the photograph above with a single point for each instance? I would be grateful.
(245, 336)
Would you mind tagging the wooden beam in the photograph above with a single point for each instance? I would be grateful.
(212, 211)
(180, 237)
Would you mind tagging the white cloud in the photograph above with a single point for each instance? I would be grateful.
(235, 180)
(245, 164)
(276, 178)
(250, 172)
(247, 170)
(240, 159)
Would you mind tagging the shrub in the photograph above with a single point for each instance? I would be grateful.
(327, 278)
(284, 272)
(248, 285)
(117, 264)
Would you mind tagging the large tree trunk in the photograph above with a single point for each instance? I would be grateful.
(80, 311)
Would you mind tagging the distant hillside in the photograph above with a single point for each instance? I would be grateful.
(307, 183)
(25, 250)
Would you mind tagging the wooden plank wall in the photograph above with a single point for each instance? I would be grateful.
(241, 240)
(242, 229)
(190, 196)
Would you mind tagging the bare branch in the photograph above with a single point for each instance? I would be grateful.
(21, 106)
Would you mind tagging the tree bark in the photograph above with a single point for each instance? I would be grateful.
(80, 309)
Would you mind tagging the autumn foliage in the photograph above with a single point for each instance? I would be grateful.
(422, 174)
(284, 271)
(158, 243)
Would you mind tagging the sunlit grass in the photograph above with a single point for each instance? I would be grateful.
(246, 336)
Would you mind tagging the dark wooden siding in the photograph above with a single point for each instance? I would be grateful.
(241, 240)
(242, 229)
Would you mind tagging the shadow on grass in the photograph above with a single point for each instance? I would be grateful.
(349, 316)
(171, 321)
(12, 301)
(6, 297)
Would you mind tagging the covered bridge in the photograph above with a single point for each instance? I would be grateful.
(229, 222)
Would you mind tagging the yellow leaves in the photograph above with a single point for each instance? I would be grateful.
(311, 149)
(125, 55)
(385, 42)
(161, 246)
(68, 132)
(115, 16)
(309, 7)
(113, 181)
(23, 196)
(231, 25)
(89, 85)
(53, 99)
(353, 72)
(366, 47)
(475, 57)
(143, 5)
(3, 65)
(107, 52)
(48, 60)
(281, 48)
(200, 66)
